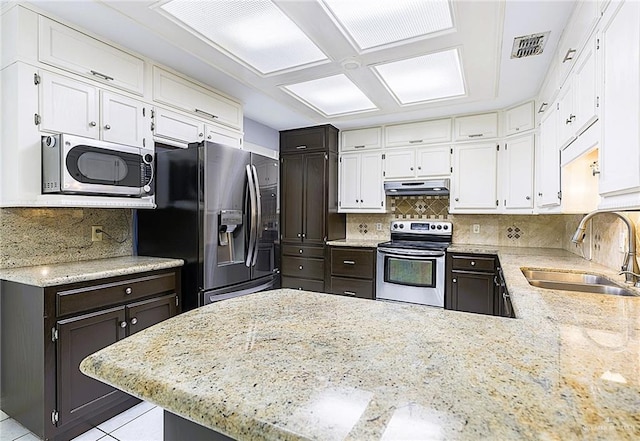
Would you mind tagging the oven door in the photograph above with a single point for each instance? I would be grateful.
(413, 276)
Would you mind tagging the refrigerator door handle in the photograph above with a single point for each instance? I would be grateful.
(258, 225)
(252, 221)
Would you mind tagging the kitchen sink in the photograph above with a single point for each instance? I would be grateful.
(570, 281)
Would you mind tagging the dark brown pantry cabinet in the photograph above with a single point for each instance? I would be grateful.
(48, 331)
(309, 204)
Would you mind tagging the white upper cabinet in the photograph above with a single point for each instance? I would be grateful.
(468, 128)
(565, 115)
(176, 129)
(68, 106)
(76, 52)
(360, 184)
(222, 135)
(433, 161)
(620, 105)
(517, 169)
(585, 97)
(548, 164)
(549, 90)
(581, 23)
(519, 119)
(400, 164)
(177, 91)
(361, 139)
(425, 132)
(474, 184)
(124, 120)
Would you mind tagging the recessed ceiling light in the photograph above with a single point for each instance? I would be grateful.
(256, 32)
(335, 95)
(372, 23)
(425, 78)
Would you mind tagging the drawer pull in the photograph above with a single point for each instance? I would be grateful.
(300, 251)
(128, 290)
(358, 146)
(473, 263)
(134, 321)
(301, 147)
(123, 324)
(300, 267)
(350, 293)
(415, 141)
(101, 75)
(477, 135)
(348, 262)
(202, 112)
(454, 280)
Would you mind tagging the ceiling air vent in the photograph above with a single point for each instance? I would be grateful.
(529, 45)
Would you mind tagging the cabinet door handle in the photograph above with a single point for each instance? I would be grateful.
(92, 124)
(123, 324)
(569, 55)
(128, 290)
(299, 234)
(304, 235)
(200, 135)
(107, 127)
(456, 199)
(300, 251)
(540, 194)
(301, 147)
(134, 321)
(202, 112)
(348, 262)
(543, 107)
(300, 267)
(101, 75)
(411, 168)
(415, 141)
(358, 146)
(454, 280)
(528, 198)
(570, 119)
(419, 168)
(473, 263)
(477, 135)
(350, 293)
(209, 137)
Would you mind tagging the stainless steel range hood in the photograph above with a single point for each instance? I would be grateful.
(428, 187)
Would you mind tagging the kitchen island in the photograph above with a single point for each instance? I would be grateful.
(289, 364)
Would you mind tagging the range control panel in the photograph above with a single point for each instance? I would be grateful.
(422, 227)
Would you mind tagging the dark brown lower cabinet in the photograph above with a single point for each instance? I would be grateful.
(471, 283)
(352, 271)
(48, 331)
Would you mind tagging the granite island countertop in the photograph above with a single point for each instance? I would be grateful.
(85, 270)
(293, 365)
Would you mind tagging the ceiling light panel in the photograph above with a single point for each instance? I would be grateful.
(425, 78)
(254, 31)
(372, 23)
(335, 95)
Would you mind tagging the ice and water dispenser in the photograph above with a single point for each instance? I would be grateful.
(230, 237)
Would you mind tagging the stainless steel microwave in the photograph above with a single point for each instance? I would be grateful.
(76, 165)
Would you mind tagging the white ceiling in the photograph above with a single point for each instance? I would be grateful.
(484, 33)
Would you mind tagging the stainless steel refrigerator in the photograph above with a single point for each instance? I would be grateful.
(217, 210)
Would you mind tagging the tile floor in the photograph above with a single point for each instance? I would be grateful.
(140, 423)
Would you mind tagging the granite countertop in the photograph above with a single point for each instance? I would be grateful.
(72, 272)
(357, 243)
(290, 365)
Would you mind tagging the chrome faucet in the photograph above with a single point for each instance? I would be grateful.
(629, 265)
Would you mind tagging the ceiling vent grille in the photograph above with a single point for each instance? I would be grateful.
(529, 45)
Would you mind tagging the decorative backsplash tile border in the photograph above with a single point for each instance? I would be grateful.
(419, 207)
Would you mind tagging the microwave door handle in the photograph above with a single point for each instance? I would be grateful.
(258, 224)
(252, 220)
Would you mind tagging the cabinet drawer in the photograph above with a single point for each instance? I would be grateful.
(425, 132)
(89, 297)
(352, 287)
(304, 268)
(352, 263)
(76, 52)
(303, 251)
(179, 92)
(303, 284)
(473, 263)
(308, 139)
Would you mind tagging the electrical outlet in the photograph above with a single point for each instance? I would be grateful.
(476, 228)
(96, 233)
(378, 226)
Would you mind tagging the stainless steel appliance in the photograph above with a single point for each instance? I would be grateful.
(217, 210)
(76, 165)
(411, 267)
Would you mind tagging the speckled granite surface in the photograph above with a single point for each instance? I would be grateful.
(61, 273)
(292, 365)
(358, 243)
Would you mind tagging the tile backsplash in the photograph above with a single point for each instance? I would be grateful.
(39, 236)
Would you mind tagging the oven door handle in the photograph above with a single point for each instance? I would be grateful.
(411, 254)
